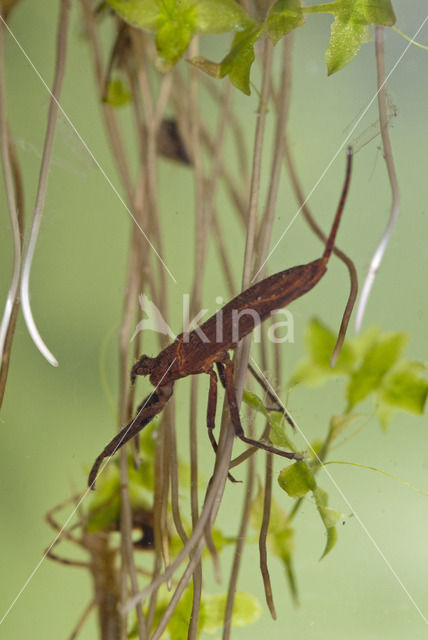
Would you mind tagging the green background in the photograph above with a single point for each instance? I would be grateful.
(55, 421)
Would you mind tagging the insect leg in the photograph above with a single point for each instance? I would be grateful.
(69, 563)
(221, 375)
(264, 386)
(236, 420)
(271, 397)
(56, 526)
(211, 410)
(149, 409)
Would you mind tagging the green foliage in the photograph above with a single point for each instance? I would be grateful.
(283, 17)
(104, 506)
(297, 480)
(329, 518)
(402, 388)
(175, 22)
(237, 63)
(221, 16)
(145, 14)
(117, 95)
(319, 342)
(350, 29)
(373, 367)
(379, 359)
(276, 421)
(246, 610)
(372, 364)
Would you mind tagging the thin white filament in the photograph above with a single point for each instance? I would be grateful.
(43, 183)
(375, 264)
(11, 203)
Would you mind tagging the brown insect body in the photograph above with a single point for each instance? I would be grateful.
(197, 351)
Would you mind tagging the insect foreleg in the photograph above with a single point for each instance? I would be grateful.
(149, 409)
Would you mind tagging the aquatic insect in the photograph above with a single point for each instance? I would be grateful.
(198, 351)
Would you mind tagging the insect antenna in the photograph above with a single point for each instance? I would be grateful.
(332, 237)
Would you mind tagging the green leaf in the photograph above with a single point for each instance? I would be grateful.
(148, 437)
(345, 42)
(246, 610)
(174, 35)
(176, 21)
(173, 21)
(117, 95)
(364, 342)
(405, 388)
(254, 401)
(331, 541)
(384, 413)
(141, 480)
(378, 12)
(276, 420)
(104, 507)
(319, 342)
(350, 28)
(309, 374)
(283, 17)
(277, 433)
(329, 517)
(219, 16)
(178, 626)
(220, 540)
(297, 479)
(145, 14)
(237, 63)
(377, 361)
(402, 388)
